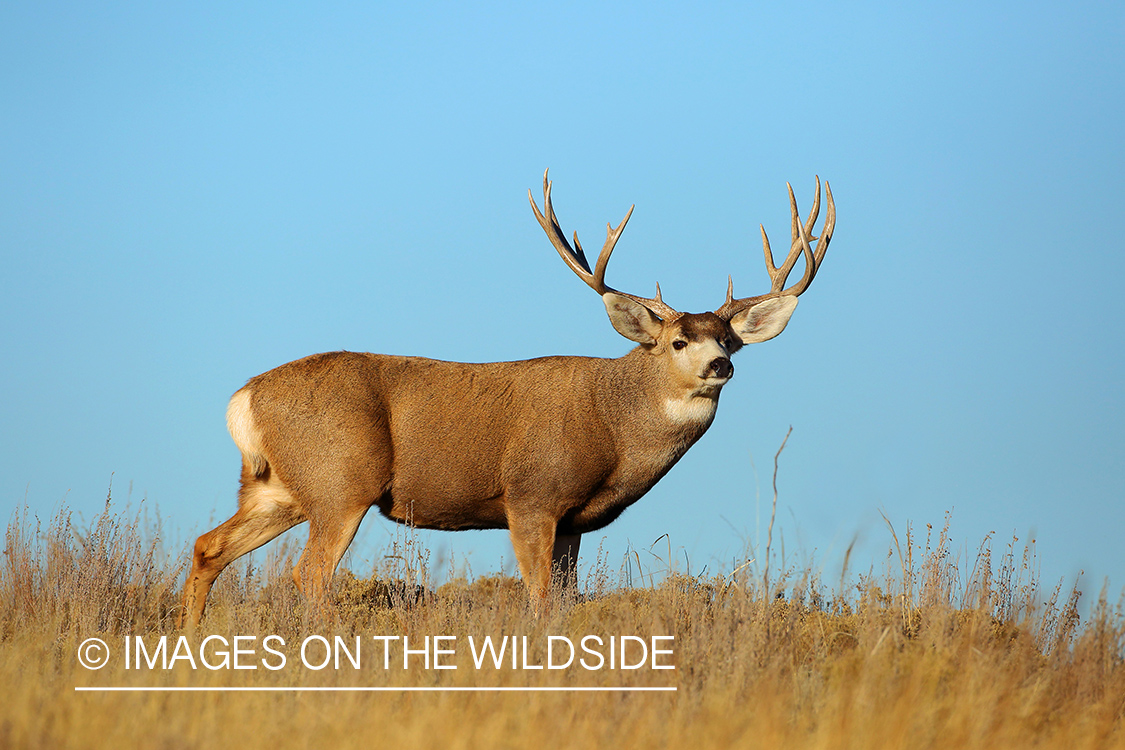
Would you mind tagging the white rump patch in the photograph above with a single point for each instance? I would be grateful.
(268, 497)
(690, 410)
(247, 436)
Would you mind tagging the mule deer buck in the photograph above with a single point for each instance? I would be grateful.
(548, 448)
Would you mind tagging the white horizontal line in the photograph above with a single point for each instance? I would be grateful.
(374, 689)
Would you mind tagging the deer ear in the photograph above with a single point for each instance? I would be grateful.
(764, 320)
(632, 320)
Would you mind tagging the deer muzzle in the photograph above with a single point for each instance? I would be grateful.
(720, 367)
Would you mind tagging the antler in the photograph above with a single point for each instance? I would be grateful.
(801, 237)
(576, 258)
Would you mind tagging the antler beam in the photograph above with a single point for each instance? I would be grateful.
(576, 258)
(800, 244)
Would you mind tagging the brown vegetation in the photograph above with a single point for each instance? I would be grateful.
(939, 653)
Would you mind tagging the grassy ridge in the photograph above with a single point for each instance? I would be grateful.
(926, 656)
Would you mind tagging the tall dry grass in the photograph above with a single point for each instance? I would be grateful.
(939, 650)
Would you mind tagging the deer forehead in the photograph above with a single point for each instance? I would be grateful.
(699, 327)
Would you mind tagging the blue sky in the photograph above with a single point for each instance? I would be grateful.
(191, 194)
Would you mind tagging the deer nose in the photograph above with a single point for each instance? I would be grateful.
(721, 367)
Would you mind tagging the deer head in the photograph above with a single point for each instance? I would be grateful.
(699, 345)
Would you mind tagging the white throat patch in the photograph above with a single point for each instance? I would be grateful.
(690, 410)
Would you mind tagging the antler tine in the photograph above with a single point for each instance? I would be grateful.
(812, 261)
(575, 257)
(550, 224)
(814, 212)
(802, 238)
(829, 226)
(798, 242)
(771, 269)
(611, 236)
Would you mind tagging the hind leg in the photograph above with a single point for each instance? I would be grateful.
(265, 510)
(329, 539)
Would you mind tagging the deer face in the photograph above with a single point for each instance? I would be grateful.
(698, 346)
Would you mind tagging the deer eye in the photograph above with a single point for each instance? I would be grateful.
(678, 344)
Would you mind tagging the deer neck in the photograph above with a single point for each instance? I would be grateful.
(647, 401)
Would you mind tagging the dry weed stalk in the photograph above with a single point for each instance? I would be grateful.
(922, 658)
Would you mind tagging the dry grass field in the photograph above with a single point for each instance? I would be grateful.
(938, 651)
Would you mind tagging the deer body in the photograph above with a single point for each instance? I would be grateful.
(584, 437)
(548, 448)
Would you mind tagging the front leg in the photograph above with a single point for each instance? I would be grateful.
(533, 539)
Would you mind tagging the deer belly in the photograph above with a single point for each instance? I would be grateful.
(442, 495)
